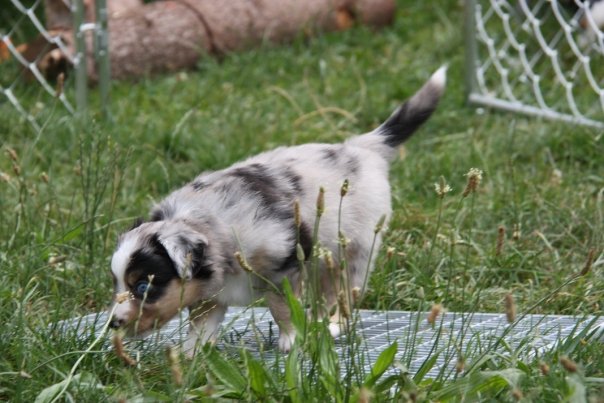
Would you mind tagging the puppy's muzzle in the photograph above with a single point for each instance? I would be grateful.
(116, 323)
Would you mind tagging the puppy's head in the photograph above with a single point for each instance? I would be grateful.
(158, 268)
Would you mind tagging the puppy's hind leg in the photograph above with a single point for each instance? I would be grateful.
(205, 319)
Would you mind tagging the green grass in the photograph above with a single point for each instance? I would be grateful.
(544, 178)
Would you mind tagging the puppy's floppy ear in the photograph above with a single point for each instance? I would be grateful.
(188, 252)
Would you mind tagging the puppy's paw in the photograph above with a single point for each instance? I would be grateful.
(192, 344)
(188, 348)
(286, 341)
(335, 329)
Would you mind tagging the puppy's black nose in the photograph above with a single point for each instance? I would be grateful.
(116, 323)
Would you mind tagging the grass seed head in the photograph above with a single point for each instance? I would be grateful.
(123, 297)
(55, 260)
(344, 188)
(118, 346)
(174, 362)
(16, 169)
(321, 202)
(474, 176)
(243, 263)
(44, 177)
(343, 305)
(328, 258)
(342, 240)
(517, 232)
(510, 308)
(500, 240)
(365, 395)
(12, 154)
(442, 188)
(356, 295)
(568, 364)
(24, 374)
(435, 311)
(380, 224)
(590, 259)
(297, 217)
(517, 394)
(544, 368)
(460, 364)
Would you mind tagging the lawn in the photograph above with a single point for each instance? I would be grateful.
(533, 228)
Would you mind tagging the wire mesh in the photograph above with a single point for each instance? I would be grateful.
(26, 44)
(540, 57)
(471, 333)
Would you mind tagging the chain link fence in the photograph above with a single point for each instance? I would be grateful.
(540, 57)
(44, 70)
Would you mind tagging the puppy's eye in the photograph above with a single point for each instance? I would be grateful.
(141, 287)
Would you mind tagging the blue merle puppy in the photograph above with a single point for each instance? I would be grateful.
(184, 255)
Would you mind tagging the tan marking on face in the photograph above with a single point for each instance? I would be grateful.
(178, 295)
(133, 277)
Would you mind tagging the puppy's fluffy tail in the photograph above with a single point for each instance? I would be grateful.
(407, 118)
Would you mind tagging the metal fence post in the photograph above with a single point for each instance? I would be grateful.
(102, 55)
(470, 47)
(79, 61)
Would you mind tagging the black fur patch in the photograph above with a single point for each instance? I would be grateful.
(200, 268)
(152, 260)
(294, 180)
(199, 185)
(157, 215)
(331, 155)
(259, 181)
(404, 121)
(137, 223)
(291, 261)
(352, 165)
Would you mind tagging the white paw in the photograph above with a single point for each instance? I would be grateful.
(286, 340)
(335, 329)
(188, 347)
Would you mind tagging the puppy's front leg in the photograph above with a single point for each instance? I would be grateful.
(282, 315)
(205, 319)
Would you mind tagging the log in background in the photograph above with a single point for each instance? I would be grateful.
(172, 35)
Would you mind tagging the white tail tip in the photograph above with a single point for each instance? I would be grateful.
(439, 78)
